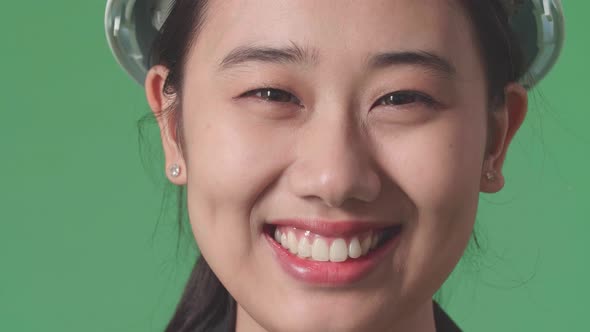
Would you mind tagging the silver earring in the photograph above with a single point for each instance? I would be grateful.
(174, 170)
(491, 175)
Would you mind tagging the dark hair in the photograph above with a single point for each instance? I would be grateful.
(205, 304)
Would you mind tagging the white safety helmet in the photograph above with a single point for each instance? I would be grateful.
(132, 25)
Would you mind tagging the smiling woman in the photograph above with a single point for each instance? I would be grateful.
(333, 152)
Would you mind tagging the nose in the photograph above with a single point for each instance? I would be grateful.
(333, 161)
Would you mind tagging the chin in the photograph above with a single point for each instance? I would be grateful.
(326, 319)
(324, 310)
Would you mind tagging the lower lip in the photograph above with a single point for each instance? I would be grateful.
(330, 273)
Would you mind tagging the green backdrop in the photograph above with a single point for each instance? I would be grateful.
(80, 246)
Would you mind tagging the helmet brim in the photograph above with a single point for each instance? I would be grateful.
(132, 25)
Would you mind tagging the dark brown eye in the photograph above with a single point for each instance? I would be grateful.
(273, 95)
(402, 98)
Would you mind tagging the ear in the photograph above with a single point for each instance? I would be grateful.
(505, 122)
(159, 102)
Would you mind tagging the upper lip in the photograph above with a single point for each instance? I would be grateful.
(332, 228)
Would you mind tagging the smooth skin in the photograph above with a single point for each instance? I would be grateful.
(334, 146)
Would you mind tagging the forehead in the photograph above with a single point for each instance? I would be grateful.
(343, 30)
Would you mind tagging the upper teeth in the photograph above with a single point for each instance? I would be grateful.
(322, 249)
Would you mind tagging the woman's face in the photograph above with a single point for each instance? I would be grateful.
(370, 119)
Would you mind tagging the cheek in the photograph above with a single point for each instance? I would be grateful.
(443, 167)
(230, 163)
(232, 158)
(438, 167)
(438, 163)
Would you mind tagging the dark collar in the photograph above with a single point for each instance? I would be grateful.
(443, 322)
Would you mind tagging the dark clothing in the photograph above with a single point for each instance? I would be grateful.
(443, 322)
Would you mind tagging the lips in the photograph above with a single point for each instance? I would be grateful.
(329, 252)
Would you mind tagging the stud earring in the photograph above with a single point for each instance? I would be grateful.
(491, 175)
(174, 170)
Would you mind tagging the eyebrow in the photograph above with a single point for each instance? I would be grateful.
(421, 58)
(295, 54)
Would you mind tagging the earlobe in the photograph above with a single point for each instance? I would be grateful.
(491, 181)
(506, 122)
(160, 104)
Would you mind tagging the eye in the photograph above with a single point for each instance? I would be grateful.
(406, 98)
(273, 95)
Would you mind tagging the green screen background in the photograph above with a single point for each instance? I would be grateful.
(80, 246)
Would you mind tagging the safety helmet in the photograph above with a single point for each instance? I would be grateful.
(132, 26)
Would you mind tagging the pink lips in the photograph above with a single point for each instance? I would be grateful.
(329, 273)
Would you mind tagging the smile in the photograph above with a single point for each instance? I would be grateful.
(329, 253)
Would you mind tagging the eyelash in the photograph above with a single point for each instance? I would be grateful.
(416, 96)
(268, 90)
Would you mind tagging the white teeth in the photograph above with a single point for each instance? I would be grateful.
(320, 251)
(292, 242)
(338, 251)
(304, 248)
(354, 248)
(284, 241)
(366, 245)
